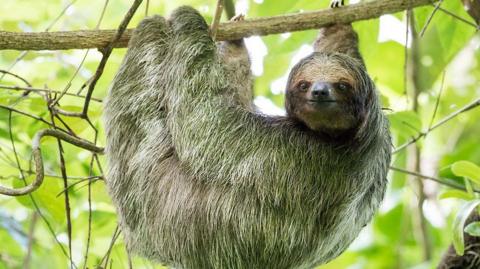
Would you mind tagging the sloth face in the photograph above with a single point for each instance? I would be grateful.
(325, 94)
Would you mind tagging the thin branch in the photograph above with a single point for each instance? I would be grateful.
(38, 90)
(26, 114)
(5, 72)
(37, 156)
(31, 239)
(459, 18)
(64, 10)
(405, 57)
(71, 186)
(226, 31)
(63, 171)
(414, 155)
(69, 84)
(216, 19)
(115, 236)
(32, 199)
(24, 53)
(466, 108)
(438, 180)
(437, 6)
(106, 53)
(437, 102)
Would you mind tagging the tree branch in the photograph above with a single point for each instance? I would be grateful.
(450, 183)
(466, 108)
(37, 156)
(86, 39)
(216, 19)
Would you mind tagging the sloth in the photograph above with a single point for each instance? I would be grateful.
(201, 180)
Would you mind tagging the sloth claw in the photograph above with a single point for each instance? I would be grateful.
(337, 3)
(238, 17)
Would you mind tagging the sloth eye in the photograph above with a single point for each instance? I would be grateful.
(344, 86)
(304, 85)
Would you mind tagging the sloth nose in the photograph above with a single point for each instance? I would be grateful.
(322, 90)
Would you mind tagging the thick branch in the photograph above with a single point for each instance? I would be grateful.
(226, 31)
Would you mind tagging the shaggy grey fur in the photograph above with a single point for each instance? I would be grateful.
(199, 180)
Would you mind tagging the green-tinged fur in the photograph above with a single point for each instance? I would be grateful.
(201, 181)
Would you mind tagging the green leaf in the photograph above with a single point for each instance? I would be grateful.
(459, 223)
(467, 169)
(45, 197)
(437, 51)
(456, 194)
(473, 228)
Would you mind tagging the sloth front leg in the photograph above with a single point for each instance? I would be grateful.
(134, 104)
(235, 58)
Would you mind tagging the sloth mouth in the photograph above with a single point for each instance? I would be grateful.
(310, 101)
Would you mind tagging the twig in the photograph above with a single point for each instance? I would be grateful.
(405, 57)
(437, 6)
(75, 178)
(24, 53)
(437, 102)
(32, 199)
(106, 53)
(438, 180)
(115, 236)
(57, 99)
(216, 19)
(5, 72)
(64, 10)
(226, 31)
(466, 108)
(71, 186)
(17, 88)
(414, 155)
(31, 239)
(37, 156)
(459, 18)
(147, 5)
(26, 114)
(63, 171)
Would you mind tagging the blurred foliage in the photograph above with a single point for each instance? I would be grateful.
(35, 225)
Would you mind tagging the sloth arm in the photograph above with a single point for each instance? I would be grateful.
(214, 136)
(338, 38)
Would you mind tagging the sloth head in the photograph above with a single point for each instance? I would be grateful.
(330, 94)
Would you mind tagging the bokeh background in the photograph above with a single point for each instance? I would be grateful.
(424, 72)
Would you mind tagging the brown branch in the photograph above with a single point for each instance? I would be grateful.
(37, 156)
(414, 155)
(38, 90)
(437, 6)
(106, 51)
(16, 76)
(86, 39)
(26, 114)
